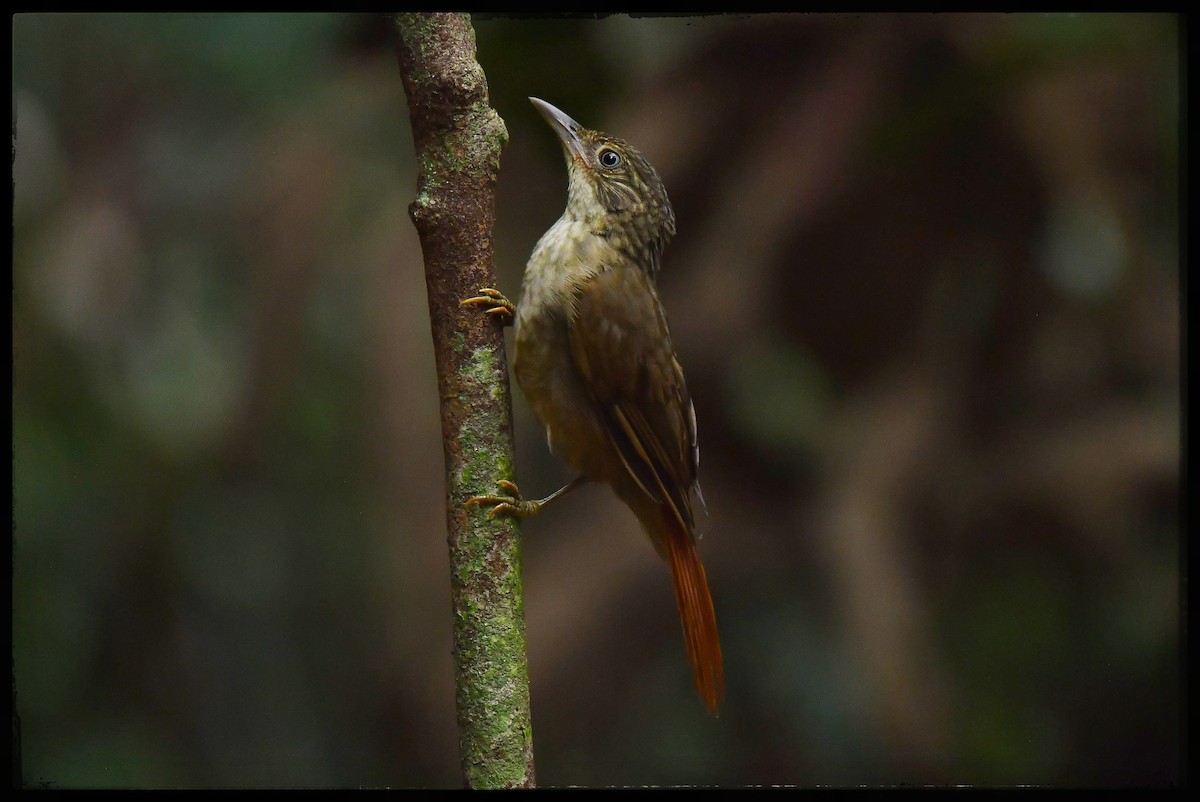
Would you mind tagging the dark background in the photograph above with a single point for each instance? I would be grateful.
(926, 289)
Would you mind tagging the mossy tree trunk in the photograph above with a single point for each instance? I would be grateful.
(458, 139)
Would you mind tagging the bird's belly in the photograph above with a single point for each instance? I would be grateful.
(551, 384)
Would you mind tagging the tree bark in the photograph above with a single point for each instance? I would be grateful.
(458, 139)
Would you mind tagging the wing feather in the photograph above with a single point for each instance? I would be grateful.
(621, 345)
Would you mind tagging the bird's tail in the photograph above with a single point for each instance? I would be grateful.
(696, 613)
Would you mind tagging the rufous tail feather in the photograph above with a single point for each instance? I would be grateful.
(696, 614)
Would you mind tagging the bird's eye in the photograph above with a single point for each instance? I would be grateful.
(609, 158)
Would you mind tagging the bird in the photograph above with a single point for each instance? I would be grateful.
(594, 358)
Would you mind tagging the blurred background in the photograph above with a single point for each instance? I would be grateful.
(927, 292)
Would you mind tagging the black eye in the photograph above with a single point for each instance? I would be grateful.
(609, 158)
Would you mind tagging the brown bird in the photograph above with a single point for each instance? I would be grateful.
(593, 356)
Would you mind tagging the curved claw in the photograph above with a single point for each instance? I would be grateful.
(497, 304)
(510, 488)
(514, 504)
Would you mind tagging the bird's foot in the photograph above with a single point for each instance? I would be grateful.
(496, 304)
(513, 504)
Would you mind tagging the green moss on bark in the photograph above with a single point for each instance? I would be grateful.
(458, 138)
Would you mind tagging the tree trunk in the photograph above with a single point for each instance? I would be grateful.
(458, 139)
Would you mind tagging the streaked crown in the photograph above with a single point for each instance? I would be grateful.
(614, 190)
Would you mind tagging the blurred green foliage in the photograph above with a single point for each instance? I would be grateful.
(926, 290)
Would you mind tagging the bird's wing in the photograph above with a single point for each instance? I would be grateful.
(622, 347)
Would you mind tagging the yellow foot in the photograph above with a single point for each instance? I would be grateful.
(496, 304)
(513, 504)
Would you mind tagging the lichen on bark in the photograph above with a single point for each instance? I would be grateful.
(458, 139)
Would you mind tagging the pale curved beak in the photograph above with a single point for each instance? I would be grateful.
(566, 128)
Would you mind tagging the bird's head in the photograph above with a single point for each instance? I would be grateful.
(613, 189)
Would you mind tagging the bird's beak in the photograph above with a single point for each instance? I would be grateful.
(566, 128)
